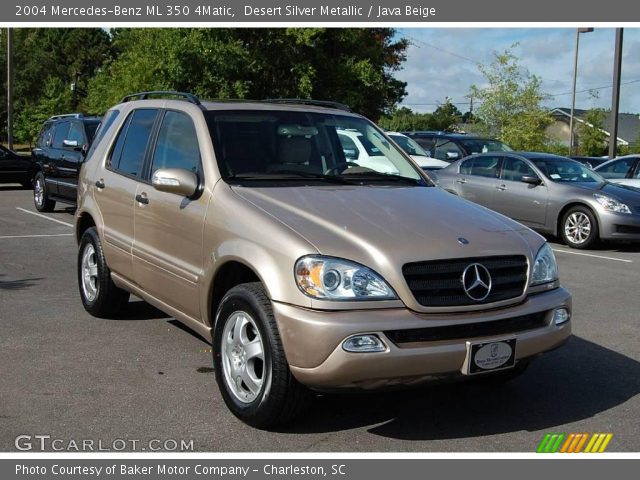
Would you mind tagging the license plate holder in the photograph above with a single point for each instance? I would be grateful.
(489, 356)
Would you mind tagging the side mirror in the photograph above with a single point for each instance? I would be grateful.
(175, 180)
(531, 180)
(70, 143)
(453, 155)
(350, 154)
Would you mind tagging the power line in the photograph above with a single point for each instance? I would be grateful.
(594, 88)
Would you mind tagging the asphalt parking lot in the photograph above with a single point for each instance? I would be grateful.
(66, 374)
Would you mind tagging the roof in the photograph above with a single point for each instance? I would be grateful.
(628, 123)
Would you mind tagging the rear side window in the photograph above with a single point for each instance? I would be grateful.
(60, 134)
(45, 135)
(128, 154)
(481, 167)
(102, 128)
(617, 170)
(177, 144)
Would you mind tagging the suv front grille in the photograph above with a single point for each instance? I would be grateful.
(439, 283)
(505, 326)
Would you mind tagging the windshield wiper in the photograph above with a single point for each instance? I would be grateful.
(289, 175)
(386, 177)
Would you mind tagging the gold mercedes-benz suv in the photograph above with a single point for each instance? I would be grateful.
(310, 269)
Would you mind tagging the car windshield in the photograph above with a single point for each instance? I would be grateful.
(279, 146)
(483, 145)
(409, 145)
(566, 171)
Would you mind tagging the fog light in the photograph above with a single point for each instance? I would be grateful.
(561, 315)
(363, 343)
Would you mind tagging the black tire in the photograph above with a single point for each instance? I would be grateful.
(280, 398)
(108, 299)
(504, 376)
(568, 220)
(44, 203)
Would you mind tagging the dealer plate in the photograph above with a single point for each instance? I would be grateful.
(490, 356)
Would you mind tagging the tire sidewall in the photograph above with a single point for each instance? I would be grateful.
(40, 178)
(90, 236)
(593, 237)
(234, 301)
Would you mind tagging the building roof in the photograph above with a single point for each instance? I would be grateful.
(628, 123)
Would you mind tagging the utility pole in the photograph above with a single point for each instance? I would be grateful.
(10, 88)
(575, 78)
(615, 97)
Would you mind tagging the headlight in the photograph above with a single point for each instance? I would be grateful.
(545, 269)
(611, 205)
(336, 279)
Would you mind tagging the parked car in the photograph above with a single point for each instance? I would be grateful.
(591, 162)
(417, 153)
(58, 155)
(548, 193)
(360, 151)
(450, 147)
(622, 170)
(15, 168)
(307, 272)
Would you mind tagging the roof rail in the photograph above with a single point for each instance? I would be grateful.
(189, 97)
(66, 115)
(305, 101)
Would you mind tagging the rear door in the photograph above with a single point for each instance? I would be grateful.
(116, 185)
(478, 179)
(54, 155)
(167, 249)
(521, 201)
(71, 157)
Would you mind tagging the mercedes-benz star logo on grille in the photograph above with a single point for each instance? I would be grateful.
(476, 281)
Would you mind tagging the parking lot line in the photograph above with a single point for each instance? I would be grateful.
(37, 236)
(614, 259)
(44, 216)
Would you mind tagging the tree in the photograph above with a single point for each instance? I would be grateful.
(446, 116)
(510, 104)
(591, 136)
(353, 66)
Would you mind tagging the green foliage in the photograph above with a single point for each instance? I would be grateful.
(510, 104)
(445, 118)
(591, 137)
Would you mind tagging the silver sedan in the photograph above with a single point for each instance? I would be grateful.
(548, 193)
(622, 170)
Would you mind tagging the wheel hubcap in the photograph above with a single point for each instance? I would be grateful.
(38, 191)
(89, 266)
(242, 353)
(577, 228)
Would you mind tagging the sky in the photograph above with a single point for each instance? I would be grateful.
(443, 63)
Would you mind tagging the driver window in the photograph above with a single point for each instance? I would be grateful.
(617, 170)
(447, 150)
(514, 169)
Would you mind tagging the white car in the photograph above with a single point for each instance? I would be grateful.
(622, 170)
(416, 152)
(362, 151)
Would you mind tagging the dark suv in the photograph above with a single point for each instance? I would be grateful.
(453, 146)
(60, 150)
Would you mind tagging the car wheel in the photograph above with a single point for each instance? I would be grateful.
(40, 198)
(504, 376)
(100, 296)
(579, 228)
(249, 361)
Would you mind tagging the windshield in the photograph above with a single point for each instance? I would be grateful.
(409, 146)
(483, 145)
(275, 145)
(566, 171)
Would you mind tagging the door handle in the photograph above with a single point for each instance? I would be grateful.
(142, 198)
(501, 187)
(100, 184)
(461, 180)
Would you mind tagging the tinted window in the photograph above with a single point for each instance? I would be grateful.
(76, 133)
(349, 147)
(447, 150)
(128, 154)
(483, 145)
(481, 167)
(514, 169)
(426, 142)
(60, 134)
(564, 170)
(410, 146)
(617, 169)
(177, 145)
(45, 135)
(101, 129)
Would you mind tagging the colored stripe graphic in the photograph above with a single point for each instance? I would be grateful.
(574, 443)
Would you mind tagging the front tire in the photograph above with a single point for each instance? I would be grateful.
(249, 361)
(40, 196)
(579, 228)
(100, 296)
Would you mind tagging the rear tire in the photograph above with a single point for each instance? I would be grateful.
(100, 296)
(579, 228)
(40, 196)
(251, 369)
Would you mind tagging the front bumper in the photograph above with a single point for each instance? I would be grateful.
(619, 226)
(312, 341)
